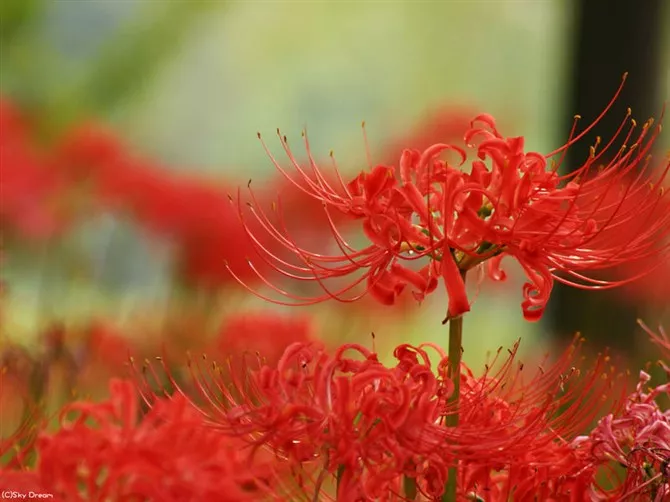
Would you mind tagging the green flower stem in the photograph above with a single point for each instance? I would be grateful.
(455, 354)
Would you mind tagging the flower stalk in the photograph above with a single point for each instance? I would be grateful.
(451, 420)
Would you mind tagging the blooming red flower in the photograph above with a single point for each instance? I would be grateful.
(639, 440)
(348, 411)
(509, 203)
(105, 451)
(345, 419)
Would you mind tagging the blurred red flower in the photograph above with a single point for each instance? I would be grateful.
(445, 124)
(105, 451)
(261, 334)
(194, 215)
(29, 205)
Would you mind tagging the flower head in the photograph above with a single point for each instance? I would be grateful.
(427, 219)
(638, 439)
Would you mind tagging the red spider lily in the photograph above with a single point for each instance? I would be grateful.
(650, 288)
(346, 420)
(193, 214)
(87, 151)
(446, 124)
(517, 435)
(635, 437)
(319, 413)
(29, 205)
(106, 452)
(510, 203)
(560, 472)
(639, 440)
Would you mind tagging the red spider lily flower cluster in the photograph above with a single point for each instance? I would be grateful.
(342, 426)
(509, 202)
(353, 429)
(638, 438)
(192, 213)
(285, 419)
(90, 169)
(104, 452)
(40, 186)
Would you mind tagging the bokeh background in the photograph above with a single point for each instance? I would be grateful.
(126, 124)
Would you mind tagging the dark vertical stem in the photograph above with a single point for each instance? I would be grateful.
(611, 37)
(455, 354)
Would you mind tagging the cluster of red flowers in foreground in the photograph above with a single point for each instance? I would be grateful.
(340, 425)
(428, 219)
